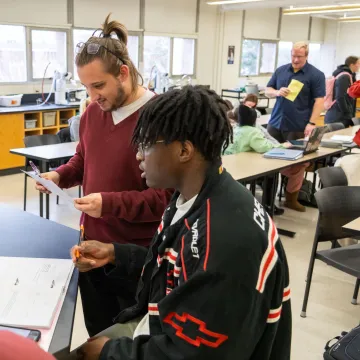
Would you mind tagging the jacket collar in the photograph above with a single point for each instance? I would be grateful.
(214, 175)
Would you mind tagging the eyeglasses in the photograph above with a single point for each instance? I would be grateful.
(142, 148)
(93, 48)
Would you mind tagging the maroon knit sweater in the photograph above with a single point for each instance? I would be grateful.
(105, 162)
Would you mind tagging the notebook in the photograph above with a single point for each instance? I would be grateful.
(284, 154)
(31, 289)
(343, 138)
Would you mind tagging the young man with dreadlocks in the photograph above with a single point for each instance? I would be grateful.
(214, 283)
(117, 206)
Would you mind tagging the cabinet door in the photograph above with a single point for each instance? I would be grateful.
(11, 136)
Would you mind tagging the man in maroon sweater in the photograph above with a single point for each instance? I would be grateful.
(118, 205)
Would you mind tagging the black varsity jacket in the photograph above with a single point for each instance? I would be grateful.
(215, 283)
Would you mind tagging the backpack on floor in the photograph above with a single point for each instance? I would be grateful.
(305, 194)
(330, 85)
(347, 346)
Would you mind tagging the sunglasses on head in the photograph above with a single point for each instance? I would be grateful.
(93, 48)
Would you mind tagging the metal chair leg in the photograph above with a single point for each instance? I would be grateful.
(281, 187)
(356, 292)
(308, 278)
(253, 187)
(25, 190)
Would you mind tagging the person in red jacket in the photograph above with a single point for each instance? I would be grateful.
(117, 206)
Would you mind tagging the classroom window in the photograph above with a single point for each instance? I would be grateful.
(315, 55)
(133, 49)
(183, 56)
(257, 57)
(156, 53)
(12, 54)
(48, 47)
(284, 53)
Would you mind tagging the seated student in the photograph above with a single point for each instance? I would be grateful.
(247, 137)
(251, 100)
(16, 347)
(214, 283)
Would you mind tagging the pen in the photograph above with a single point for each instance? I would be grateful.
(37, 171)
(82, 238)
(52, 284)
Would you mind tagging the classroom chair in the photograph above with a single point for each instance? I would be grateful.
(338, 205)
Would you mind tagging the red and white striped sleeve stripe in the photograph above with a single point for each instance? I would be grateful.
(177, 271)
(274, 315)
(170, 255)
(161, 226)
(153, 309)
(286, 295)
(270, 257)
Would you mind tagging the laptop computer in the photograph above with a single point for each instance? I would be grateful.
(312, 144)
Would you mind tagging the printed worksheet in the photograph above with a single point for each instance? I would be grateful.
(31, 289)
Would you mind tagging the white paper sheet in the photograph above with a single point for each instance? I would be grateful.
(342, 138)
(31, 289)
(47, 334)
(51, 186)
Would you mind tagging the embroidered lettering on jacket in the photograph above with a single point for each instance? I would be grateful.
(194, 241)
(259, 214)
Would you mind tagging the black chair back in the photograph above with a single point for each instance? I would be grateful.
(338, 205)
(335, 126)
(332, 176)
(39, 140)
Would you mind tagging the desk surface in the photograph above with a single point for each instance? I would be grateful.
(351, 131)
(250, 165)
(27, 235)
(353, 226)
(36, 108)
(263, 119)
(48, 152)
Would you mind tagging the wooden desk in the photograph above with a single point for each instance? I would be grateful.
(248, 166)
(46, 154)
(263, 120)
(27, 235)
(351, 131)
(353, 227)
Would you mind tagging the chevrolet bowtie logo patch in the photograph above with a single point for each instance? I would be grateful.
(185, 323)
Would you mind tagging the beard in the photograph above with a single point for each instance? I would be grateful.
(120, 98)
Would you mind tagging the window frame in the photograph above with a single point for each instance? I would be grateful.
(29, 50)
(259, 74)
(171, 62)
(277, 55)
(26, 56)
(71, 54)
(193, 76)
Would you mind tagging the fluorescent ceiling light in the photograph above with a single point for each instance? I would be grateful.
(230, 2)
(322, 9)
(349, 18)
